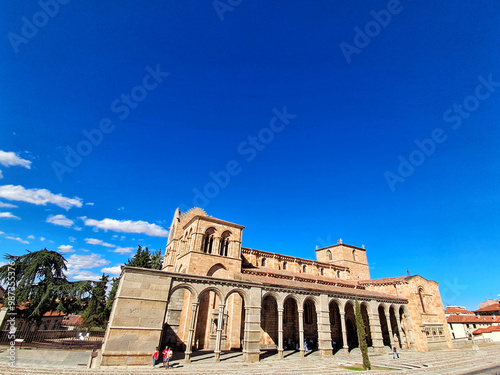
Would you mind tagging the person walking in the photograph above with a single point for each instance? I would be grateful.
(155, 356)
(170, 354)
(164, 354)
(395, 354)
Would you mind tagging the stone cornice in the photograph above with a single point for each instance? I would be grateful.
(212, 220)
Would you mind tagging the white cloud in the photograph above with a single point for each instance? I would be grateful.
(60, 220)
(17, 239)
(7, 205)
(112, 270)
(123, 250)
(2, 232)
(121, 209)
(79, 229)
(66, 249)
(31, 237)
(115, 236)
(72, 239)
(8, 215)
(128, 226)
(42, 239)
(10, 159)
(1, 175)
(38, 196)
(89, 203)
(85, 275)
(77, 262)
(94, 241)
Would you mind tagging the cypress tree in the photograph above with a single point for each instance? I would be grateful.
(360, 325)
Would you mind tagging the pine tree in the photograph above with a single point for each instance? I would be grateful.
(141, 259)
(95, 314)
(360, 325)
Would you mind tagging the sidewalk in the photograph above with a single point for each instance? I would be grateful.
(462, 361)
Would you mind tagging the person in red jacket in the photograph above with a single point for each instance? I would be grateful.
(155, 356)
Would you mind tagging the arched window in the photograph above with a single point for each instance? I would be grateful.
(329, 253)
(224, 244)
(304, 269)
(322, 271)
(354, 255)
(338, 274)
(284, 266)
(420, 290)
(263, 262)
(208, 241)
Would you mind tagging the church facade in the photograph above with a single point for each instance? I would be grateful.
(213, 294)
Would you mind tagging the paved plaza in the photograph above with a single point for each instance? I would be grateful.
(464, 361)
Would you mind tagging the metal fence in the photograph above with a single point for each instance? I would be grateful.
(57, 339)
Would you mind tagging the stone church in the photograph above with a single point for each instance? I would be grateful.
(213, 294)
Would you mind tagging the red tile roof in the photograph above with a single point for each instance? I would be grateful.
(457, 310)
(54, 313)
(72, 320)
(387, 280)
(486, 330)
(492, 307)
(472, 319)
(305, 281)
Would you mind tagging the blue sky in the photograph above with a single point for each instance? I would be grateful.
(306, 122)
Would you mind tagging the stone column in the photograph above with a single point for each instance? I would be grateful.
(344, 332)
(389, 326)
(280, 332)
(324, 328)
(192, 323)
(301, 332)
(251, 352)
(408, 325)
(218, 339)
(376, 331)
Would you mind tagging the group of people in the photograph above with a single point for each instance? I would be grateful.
(167, 355)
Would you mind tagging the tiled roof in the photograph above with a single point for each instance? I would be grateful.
(54, 313)
(305, 281)
(472, 319)
(492, 307)
(486, 330)
(387, 280)
(72, 320)
(457, 310)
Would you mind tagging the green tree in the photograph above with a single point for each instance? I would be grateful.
(156, 260)
(360, 325)
(112, 294)
(140, 259)
(40, 283)
(95, 315)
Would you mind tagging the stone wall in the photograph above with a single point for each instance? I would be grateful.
(135, 325)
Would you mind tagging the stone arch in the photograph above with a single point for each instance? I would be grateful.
(209, 300)
(269, 322)
(224, 243)
(234, 302)
(405, 339)
(310, 321)
(329, 255)
(207, 244)
(334, 308)
(218, 270)
(276, 296)
(350, 325)
(178, 316)
(384, 325)
(291, 305)
(393, 316)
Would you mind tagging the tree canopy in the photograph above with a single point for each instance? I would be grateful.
(41, 284)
